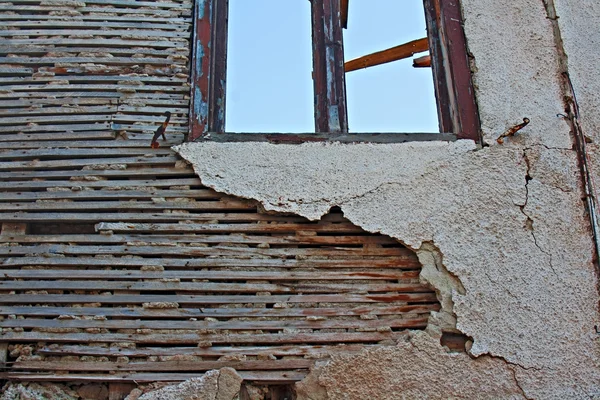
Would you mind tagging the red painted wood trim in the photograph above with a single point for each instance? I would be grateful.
(208, 68)
(457, 108)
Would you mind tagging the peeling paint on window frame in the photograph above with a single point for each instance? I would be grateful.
(455, 97)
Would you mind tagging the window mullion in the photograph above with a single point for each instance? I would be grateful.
(328, 67)
(208, 67)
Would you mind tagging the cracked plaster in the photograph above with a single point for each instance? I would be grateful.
(506, 221)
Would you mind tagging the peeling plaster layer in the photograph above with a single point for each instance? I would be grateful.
(521, 248)
(401, 373)
(515, 70)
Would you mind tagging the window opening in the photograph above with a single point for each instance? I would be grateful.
(269, 85)
(392, 96)
(455, 101)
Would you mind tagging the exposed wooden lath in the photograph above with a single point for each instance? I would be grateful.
(264, 294)
(118, 265)
(98, 66)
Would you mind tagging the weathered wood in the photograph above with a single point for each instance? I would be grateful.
(202, 251)
(222, 228)
(82, 261)
(9, 228)
(81, 143)
(224, 204)
(261, 377)
(235, 222)
(218, 299)
(186, 313)
(22, 138)
(3, 355)
(128, 3)
(217, 351)
(298, 138)
(73, 163)
(385, 56)
(403, 322)
(166, 366)
(99, 194)
(297, 287)
(193, 338)
(183, 238)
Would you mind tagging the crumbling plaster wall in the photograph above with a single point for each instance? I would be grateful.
(505, 223)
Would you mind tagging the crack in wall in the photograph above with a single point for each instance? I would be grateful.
(529, 223)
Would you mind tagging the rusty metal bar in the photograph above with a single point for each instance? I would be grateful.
(208, 67)
(328, 67)
(457, 109)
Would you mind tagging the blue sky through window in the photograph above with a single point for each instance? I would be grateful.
(269, 84)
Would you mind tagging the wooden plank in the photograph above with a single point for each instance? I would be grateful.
(13, 228)
(66, 111)
(3, 355)
(224, 204)
(181, 20)
(74, 163)
(236, 275)
(186, 313)
(202, 251)
(409, 262)
(193, 339)
(55, 128)
(128, 3)
(74, 137)
(200, 194)
(226, 228)
(385, 56)
(298, 138)
(405, 321)
(219, 299)
(166, 366)
(90, 87)
(233, 222)
(81, 143)
(260, 377)
(217, 351)
(182, 238)
(297, 287)
(50, 23)
(122, 33)
(56, 153)
(41, 49)
(110, 10)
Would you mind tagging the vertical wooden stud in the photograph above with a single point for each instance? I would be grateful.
(328, 67)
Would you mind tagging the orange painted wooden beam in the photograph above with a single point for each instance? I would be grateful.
(422, 62)
(385, 56)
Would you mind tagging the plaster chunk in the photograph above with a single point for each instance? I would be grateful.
(223, 384)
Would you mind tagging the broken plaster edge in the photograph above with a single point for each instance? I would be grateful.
(433, 273)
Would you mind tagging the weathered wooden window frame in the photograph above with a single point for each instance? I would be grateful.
(457, 109)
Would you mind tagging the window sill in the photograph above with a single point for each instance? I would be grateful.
(298, 138)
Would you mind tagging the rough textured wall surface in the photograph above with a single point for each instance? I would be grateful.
(503, 226)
